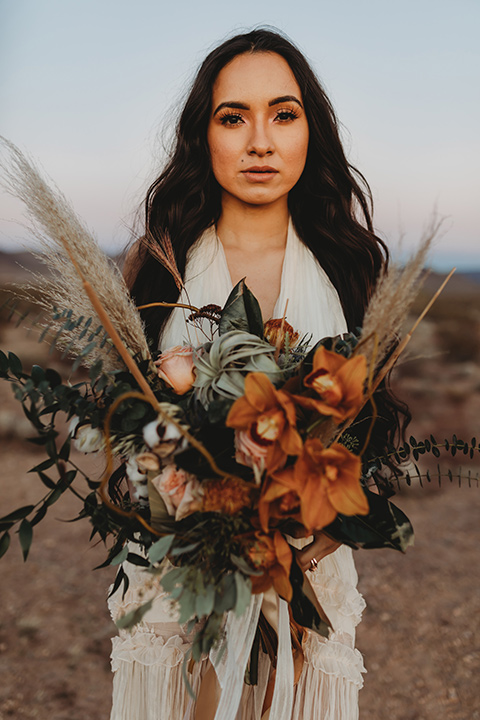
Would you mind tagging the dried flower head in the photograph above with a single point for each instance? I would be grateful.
(279, 333)
(225, 495)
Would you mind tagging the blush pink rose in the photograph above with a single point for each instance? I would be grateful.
(180, 491)
(175, 366)
(248, 452)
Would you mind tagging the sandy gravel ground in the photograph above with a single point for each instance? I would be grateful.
(420, 634)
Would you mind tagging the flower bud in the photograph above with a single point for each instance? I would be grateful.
(86, 438)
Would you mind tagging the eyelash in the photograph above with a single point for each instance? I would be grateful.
(226, 118)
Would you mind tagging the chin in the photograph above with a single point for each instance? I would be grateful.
(258, 197)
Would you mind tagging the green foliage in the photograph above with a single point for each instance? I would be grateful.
(132, 618)
(414, 449)
(385, 526)
(303, 610)
(4, 543)
(43, 396)
(241, 312)
(25, 534)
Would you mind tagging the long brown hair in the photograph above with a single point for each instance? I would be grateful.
(330, 205)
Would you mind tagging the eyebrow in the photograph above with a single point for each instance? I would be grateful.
(243, 106)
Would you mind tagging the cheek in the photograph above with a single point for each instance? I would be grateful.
(297, 154)
(222, 154)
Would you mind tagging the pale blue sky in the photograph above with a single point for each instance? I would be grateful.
(85, 86)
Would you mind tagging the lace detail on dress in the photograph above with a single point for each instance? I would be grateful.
(148, 683)
(334, 592)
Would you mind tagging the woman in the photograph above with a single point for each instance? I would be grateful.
(258, 186)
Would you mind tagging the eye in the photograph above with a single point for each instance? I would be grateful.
(286, 115)
(231, 119)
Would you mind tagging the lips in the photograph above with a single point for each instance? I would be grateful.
(259, 173)
(260, 169)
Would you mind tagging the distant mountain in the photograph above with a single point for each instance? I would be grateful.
(16, 267)
(461, 283)
(473, 275)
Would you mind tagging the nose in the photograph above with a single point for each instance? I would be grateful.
(260, 141)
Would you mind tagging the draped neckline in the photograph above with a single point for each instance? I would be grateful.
(313, 309)
(278, 310)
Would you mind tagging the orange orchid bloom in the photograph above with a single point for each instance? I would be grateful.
(338, 383)
(269, 417)
(273, 555)
(322, 483)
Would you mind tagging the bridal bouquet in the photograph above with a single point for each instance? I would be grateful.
(215, 451)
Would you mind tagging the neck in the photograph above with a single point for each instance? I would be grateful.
(245, 226)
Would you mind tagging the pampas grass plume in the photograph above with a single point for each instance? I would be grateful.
(65, 245)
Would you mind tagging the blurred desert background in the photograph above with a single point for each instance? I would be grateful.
(420, 634)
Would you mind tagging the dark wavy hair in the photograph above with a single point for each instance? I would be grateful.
(330, 205)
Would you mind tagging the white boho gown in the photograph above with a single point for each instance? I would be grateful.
(147, 663)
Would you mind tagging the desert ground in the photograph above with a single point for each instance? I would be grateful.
(420, 635)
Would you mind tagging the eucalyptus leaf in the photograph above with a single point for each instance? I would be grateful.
(185, 676)
(4, 543)
(226, 594)
(120, 577)
(37, 374)
(54, 495)
(185, 549)
(18, 514)
(137, 560)
(43, 465)
(25, 534)
(205, 601)
(186, 605)
(15, 364)
(173, 577)
(160, 548)
(132, 618)
(244, 593)
(121, 557)
(64, 453)
(4, 364)
(39, 515)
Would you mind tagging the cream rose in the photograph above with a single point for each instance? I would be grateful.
(175, 366)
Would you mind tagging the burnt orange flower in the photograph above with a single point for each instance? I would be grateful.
(322, 483)
(280, 498)
(225, 495)
(273, 556)
(269, 417)
(338, 384)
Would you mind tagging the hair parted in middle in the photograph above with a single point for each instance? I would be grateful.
(330, 205)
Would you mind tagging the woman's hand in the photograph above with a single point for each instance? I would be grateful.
(321, 546)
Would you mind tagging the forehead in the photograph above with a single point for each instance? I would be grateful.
(255, 76)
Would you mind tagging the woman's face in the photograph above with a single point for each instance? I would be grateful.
(258, 130)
